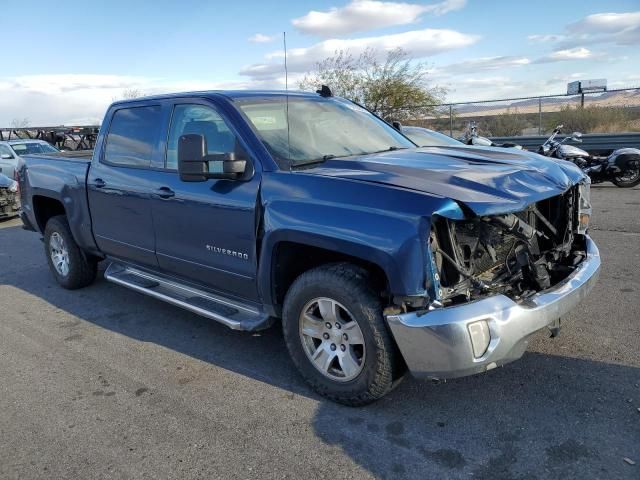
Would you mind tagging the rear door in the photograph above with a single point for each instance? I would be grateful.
(122, 181)
(206, 231)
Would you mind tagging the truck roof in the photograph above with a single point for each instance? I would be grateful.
(232, 94)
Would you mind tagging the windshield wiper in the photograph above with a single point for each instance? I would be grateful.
(311, 162)
(390, 149)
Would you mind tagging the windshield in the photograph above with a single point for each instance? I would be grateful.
(429, 138)
(29, 148)
(319, 129)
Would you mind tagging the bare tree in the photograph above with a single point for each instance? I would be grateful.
(394, 88)
(20, 122)
(128, 94)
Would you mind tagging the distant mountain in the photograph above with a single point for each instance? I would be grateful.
(629, 98)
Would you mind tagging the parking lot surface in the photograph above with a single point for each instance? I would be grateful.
(107, 383)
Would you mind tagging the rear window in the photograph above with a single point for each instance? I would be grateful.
(29, 148)
(133, 135)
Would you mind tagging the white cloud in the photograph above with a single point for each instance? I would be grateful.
(606, 23)
(261, 38)
(545, 38)
(82, 98)
(418, 43)
(578, 53)
(484, 63)
(365, 15)
(483, 88)
(599, 28)
(619, 28)
(563, 79)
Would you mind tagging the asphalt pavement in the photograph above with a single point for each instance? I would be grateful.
(107, 383)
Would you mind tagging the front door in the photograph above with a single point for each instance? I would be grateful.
(206, 231)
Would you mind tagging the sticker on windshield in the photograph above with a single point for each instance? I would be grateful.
(264, 121)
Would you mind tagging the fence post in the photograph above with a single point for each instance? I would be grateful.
(539, 116)
(451, 121)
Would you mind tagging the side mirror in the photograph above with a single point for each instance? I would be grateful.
(397, 125)
(576, 136)
(6, 156)
(194, 162)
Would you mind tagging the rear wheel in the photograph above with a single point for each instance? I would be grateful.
(628, 179)
(71, 268)
(337, 337)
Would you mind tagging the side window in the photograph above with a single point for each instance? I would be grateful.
(4, 150)
(201, 120)
(133, 135)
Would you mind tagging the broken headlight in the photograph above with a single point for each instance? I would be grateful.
(584, 206)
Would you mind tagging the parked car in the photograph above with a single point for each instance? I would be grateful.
(11, 150)
(424, 137)
(9, 204)
(253, 207)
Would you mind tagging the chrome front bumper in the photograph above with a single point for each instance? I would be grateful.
(437, 344)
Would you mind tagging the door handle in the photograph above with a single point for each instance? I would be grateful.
(165, 192)
(99, 183)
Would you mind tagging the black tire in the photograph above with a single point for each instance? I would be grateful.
(619, 182)
(82, 268)
(348, 285)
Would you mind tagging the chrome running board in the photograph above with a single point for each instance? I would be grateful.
(228, 312)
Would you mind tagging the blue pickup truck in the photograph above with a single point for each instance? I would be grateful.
(377, 257)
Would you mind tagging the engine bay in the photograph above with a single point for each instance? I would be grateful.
(515, 254)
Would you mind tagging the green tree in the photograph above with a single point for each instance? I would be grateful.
(394, 88)
(593, 119)
(507, 124)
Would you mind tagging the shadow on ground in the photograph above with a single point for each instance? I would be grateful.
(542, 417)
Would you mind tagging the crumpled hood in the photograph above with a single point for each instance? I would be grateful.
(486, 180)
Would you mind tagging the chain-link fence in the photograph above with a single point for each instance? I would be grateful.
(614, 111)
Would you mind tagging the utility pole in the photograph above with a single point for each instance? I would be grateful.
(539, 116)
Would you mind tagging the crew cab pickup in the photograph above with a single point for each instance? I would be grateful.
(376, 256)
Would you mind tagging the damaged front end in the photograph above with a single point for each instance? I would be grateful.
(9, 197)
(515, 254)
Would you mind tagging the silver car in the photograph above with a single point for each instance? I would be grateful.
(423, 137)
(11, 150)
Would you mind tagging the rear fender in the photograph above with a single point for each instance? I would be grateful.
(624, 159)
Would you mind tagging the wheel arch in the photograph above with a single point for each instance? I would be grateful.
(44, 208)
(291, 256)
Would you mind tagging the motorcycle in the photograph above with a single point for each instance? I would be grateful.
(471, 137)
(622, 167)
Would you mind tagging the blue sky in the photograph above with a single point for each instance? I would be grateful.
(65, 64)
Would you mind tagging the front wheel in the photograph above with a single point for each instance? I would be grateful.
(337, 337)
(628, 179)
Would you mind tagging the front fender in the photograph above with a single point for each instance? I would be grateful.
(388, 227)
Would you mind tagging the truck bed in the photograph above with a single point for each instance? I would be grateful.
(71, 156)
(62, 177)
